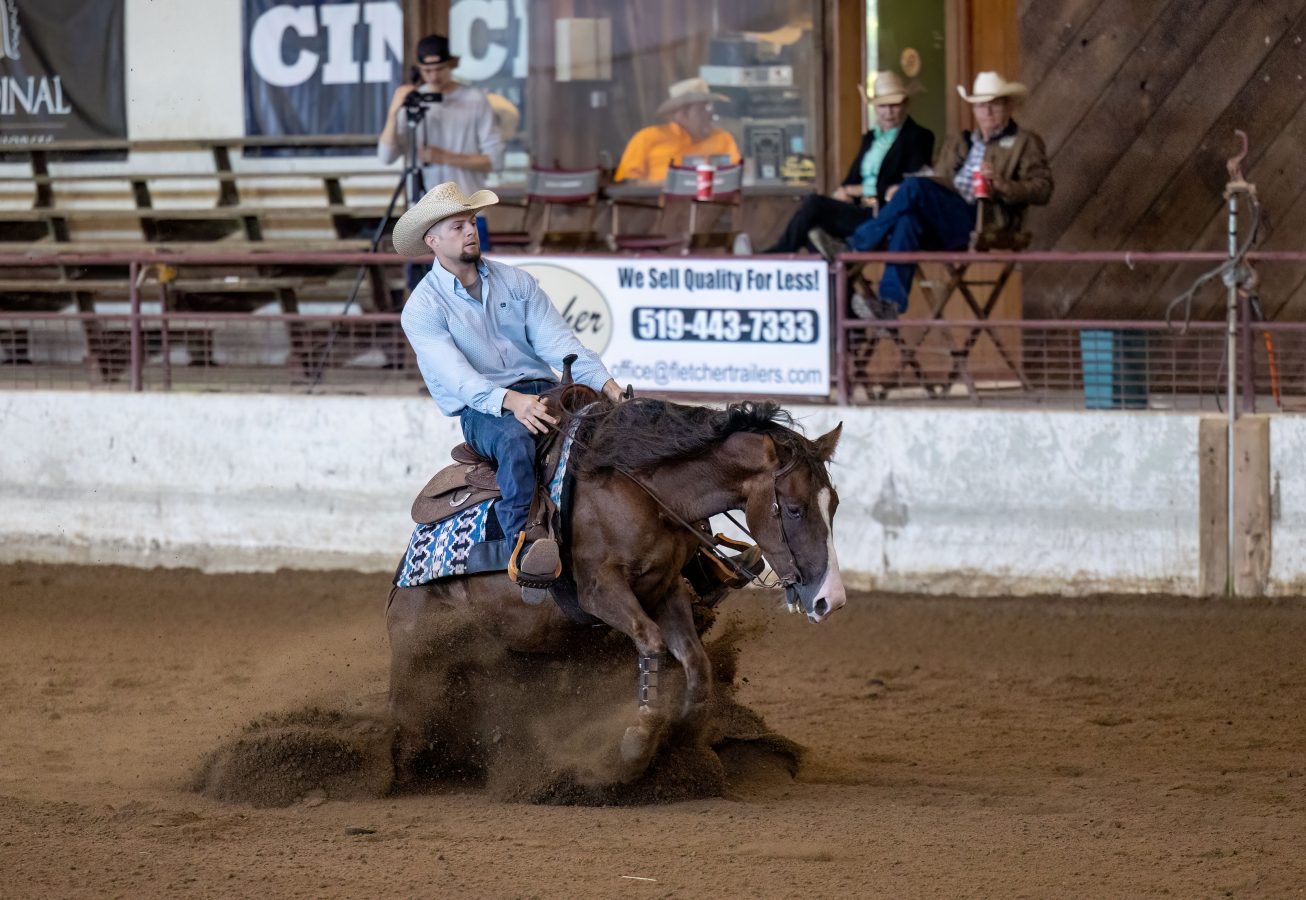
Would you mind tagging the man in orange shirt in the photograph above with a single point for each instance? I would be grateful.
(689, 132)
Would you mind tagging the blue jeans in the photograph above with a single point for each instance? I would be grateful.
(506, 441)
(923, 215)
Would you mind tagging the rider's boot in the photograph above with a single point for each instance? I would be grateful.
(535, 563)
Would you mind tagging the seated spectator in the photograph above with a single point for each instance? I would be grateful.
(938, 213)
(690, 132)
(894, 147)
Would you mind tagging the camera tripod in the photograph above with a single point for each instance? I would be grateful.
(410, 179)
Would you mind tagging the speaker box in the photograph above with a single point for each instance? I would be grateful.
(764, 144)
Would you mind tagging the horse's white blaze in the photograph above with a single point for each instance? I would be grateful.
(831, 589)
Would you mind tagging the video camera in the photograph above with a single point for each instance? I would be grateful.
(418, 101)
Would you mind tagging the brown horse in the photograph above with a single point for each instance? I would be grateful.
(626, 557)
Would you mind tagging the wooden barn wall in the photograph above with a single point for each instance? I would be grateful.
(1138, 101)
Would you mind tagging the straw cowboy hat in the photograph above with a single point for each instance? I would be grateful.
(888, 89)
(991, 86)
(691, 90)
(440, 202)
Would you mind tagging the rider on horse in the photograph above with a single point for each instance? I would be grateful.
(488, 340)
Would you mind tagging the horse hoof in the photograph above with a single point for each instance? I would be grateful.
(636, 744)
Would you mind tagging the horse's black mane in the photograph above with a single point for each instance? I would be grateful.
(642, 433)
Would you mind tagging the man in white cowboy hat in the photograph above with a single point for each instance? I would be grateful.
(689, 131)
(939, 213)
(488, 340)
(895, 146)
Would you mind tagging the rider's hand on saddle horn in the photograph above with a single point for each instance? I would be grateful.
(613, 392)
(530, 410)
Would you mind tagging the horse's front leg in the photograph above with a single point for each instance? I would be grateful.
(611, 599)
(676, 620)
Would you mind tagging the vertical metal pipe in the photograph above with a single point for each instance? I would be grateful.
(840, 332)
(165, 340)
(1231, 349)
(137, 348)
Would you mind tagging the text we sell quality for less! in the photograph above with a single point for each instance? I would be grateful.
(690, 278)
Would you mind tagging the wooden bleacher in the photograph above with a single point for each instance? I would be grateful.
(160, 198)
(187, 191)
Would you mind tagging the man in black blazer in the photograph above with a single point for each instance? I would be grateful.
(896, 146)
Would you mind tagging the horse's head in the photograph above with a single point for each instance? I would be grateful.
(791, 514)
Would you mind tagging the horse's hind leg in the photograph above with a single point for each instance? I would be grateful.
(676, 621)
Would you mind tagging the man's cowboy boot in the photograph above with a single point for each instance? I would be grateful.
(826, 244)
(538, 565)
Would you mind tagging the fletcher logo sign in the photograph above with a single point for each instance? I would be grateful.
(582, 304)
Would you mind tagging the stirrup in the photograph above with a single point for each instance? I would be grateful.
(543, 562)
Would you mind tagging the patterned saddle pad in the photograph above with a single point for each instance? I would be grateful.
(472, 541)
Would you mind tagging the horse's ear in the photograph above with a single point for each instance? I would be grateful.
(826, 443)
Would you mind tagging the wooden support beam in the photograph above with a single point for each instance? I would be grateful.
(1212, 500)
(1251, 536)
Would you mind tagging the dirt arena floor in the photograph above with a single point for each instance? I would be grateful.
(1013, 748)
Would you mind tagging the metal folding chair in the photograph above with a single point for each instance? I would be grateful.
(960, 281)
(680, 190)
(575, 189)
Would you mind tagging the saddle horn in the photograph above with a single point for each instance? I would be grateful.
(566, 368)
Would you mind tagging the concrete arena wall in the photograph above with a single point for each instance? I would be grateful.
(978, 502)
(1288, 505)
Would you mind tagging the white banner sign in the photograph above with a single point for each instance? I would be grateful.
(724, 326)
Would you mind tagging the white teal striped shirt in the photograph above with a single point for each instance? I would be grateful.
(471, 351)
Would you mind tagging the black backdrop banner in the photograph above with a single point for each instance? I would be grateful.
(320, 67)
(61, 71)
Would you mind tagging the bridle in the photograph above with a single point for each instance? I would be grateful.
(785, 567)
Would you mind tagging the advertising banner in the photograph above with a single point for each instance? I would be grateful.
(321, 67)
(61, 71)
(720, 326)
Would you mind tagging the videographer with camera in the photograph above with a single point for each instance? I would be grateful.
(456, 136)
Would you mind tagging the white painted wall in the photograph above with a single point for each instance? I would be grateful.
(1288, 505)
(184, 69)
(995, 502)
(968, 501)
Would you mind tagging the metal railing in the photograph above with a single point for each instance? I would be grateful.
(365, 353)
(961, 343)
(984, 358)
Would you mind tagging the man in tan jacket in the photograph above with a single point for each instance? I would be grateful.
(939, 212)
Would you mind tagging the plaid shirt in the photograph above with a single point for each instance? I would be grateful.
(471, 351)
(964, 180)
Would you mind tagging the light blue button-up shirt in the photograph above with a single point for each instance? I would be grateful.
(471, 351)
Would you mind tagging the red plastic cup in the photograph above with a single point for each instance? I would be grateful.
(980, 185)
(703, 186)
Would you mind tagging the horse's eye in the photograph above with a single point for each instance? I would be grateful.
(794, 512)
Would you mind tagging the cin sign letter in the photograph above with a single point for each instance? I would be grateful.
(488, 36)
(288, 44)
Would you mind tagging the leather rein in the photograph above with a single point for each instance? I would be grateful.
(787, 573)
